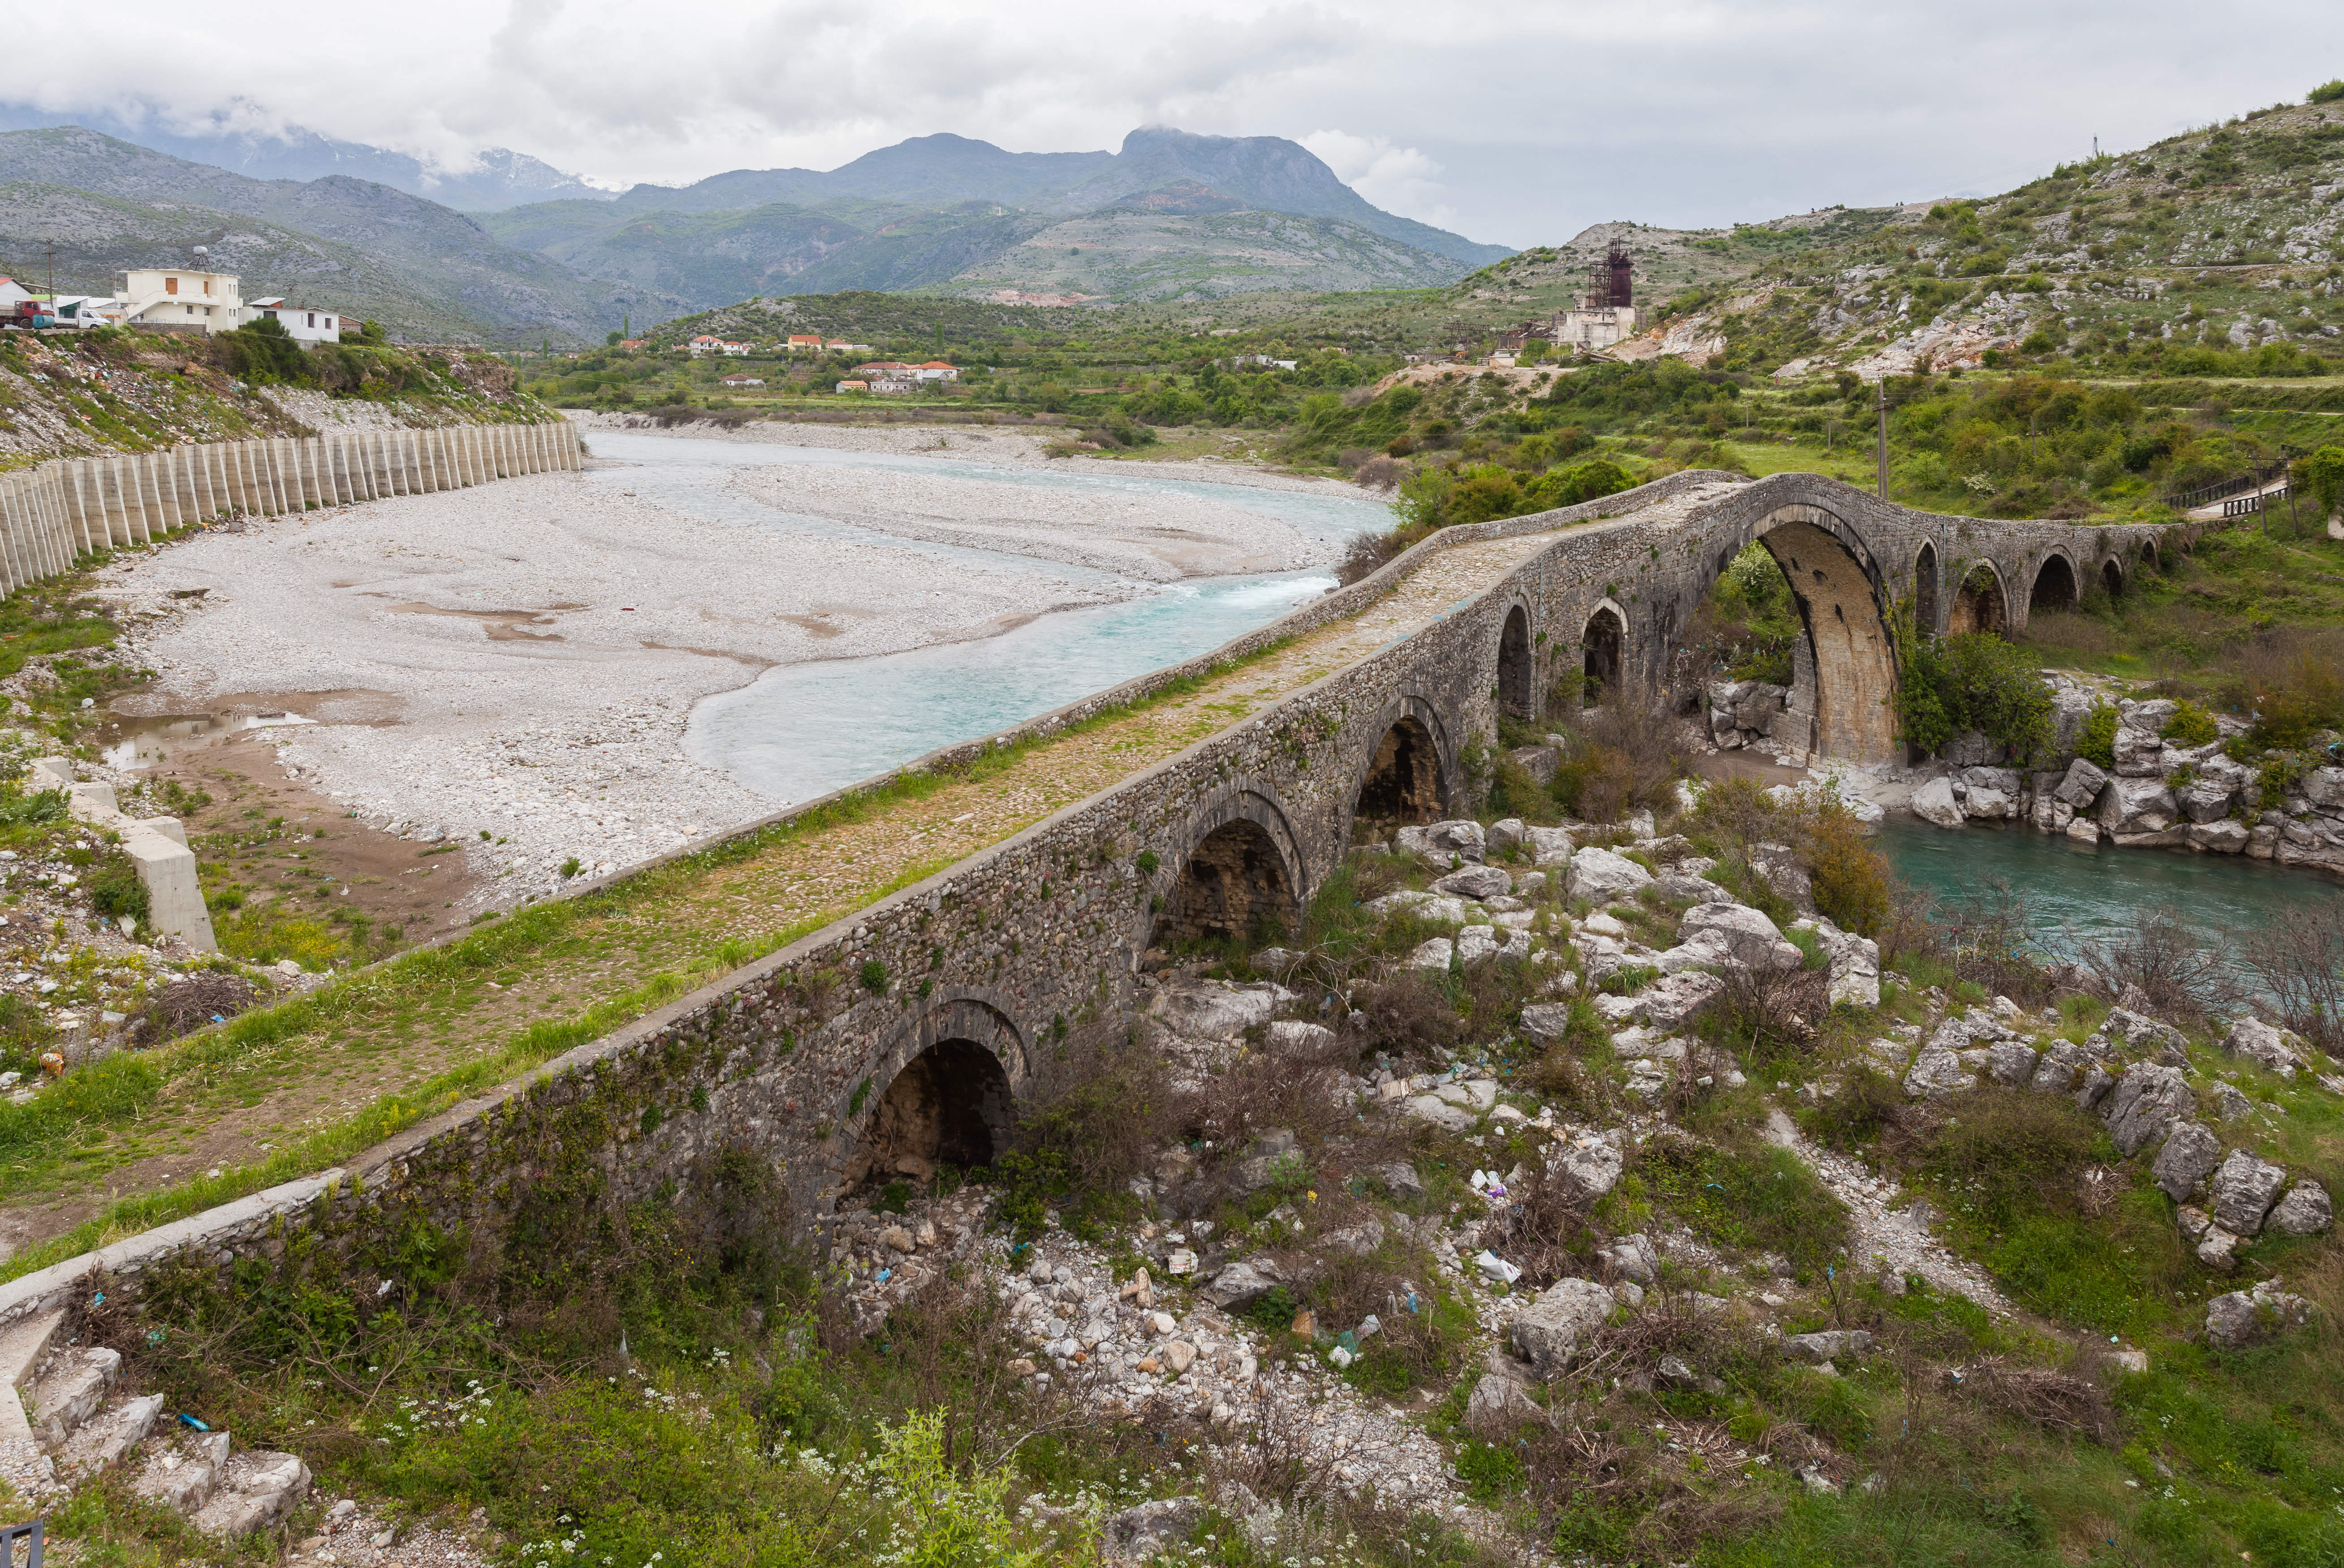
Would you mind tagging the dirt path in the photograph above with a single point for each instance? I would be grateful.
(410, 1033)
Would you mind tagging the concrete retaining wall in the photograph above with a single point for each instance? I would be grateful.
(53, 513)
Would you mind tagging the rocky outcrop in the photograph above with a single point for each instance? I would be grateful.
(1548, 1332)
(1449, 843)
(1599, 877)
(2244, 1317)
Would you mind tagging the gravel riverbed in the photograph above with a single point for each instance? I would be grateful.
(519, 659)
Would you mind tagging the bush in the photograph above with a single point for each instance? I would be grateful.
(2096, 742)
(1975, 680)
(1849, 873)
(1619, 757)
(2190, 725)
(2327, 92)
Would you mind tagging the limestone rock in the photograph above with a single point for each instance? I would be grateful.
(2243, 1190)
(2324, 788)
(2260, 1043)
(2191, 1153)
(1498, 1402)
(1585, 1168)
(1240, 1284)
(1936, 1070)
(1294, 1036)
(1439, 1113)
(1829, 1345)
(2223, 838)
(1446, 843)
(1599, 876)
(1934, 802)
(2207, 801)
(1549, 847)
(1433, 953)
(1548, 1332)
(1476, 943)
(2243, 1317)
(1216, 1010)
(1476, 882)
(2009, 1063)
(2304, 1211)
(1635, 1257)
(2137, 752)
(2082, 786)
(2144, 1035)
(1546, 1021)
(1151, 1530)
(1854, 963)
(1746, 938)
(1505, 834)
(1667, 1005)
(2146, 1102)
(1423, 905)
(2056, 1070)
(256, 1490)
(2132, 806)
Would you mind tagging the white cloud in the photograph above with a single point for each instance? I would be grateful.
(1508, 120)
(1398, 179)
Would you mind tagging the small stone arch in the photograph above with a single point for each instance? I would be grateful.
(2056, 584)
(1603, 648)
(1980, 604)
(1517, 690)
(945, 1094)
(2112, 578)
(1241, 876)
(1924, 588)
(1405, 779)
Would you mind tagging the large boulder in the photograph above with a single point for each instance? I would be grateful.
(2138, 753)
(2133, 805)
(1934, 802)
(1829, 1344)
(2082, 786)
(2010, 1063)
(1240, 1284)
(1668, 1004)
(1599, 876)
(1546, 1021)
(2205, 801)
(1547, 1334)
(2191, 1153)
(2145, 1105)
(2324, 788)
(1742, 938)
(2144, 1036)
(1937, 1072)
(1547, 846)
(1475, 882)
(2273, 1049)
(1585, 1168)
(1854, 963)
(1446, 843)
(2223, 838)
(2243, 1317)
(2304, 1211)
(2243, 1191)
(1216, 1010)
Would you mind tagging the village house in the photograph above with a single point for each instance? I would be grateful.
(885, 369)
(175, 300)
(737, 381)
(937, 371)
(836, 346)
(306, 323)
(845, 387)
(804, 343)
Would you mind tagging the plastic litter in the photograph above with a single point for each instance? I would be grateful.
(1496, 1268)
(1372, 1324)
(191, 1421)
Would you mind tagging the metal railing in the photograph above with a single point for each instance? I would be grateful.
(2248, 505)
(2261, 474)
(30, 1534)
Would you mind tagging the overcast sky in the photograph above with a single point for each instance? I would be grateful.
(1515, 123)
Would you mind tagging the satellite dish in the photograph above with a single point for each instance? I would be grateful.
(203, 250)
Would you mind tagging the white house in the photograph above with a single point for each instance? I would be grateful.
(181, 301)
(305, 322)
(740, 381)
(937, 371)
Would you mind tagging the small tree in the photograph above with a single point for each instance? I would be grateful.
(2321, 475)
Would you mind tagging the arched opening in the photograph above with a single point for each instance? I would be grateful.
(1849, 670)
(1924, 589)
(1600, 644)
(1233, 889)
(1514, 689)
(2112, 578)
(2054, 585)
(951, 1105)
(1978, 605)
(1404, 782)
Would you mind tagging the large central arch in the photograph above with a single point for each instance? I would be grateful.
(1841, 594)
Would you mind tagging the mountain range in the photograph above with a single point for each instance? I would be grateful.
(1171, 215)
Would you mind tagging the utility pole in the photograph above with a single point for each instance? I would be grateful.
(53, 277)
(1883, 436)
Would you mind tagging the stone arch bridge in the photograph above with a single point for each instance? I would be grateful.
(910, 1033)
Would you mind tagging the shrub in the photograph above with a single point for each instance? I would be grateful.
(1973, 680)
(2190, 725)
(2327, 92)
(1849, 873)
(2095, 741)
(1619, 757)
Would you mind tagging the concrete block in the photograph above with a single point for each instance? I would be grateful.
(175, 899)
